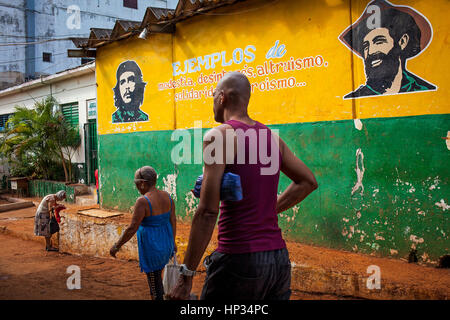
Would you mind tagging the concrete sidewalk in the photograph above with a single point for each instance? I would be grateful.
(315, 270)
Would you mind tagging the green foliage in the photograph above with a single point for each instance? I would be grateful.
(39, 141)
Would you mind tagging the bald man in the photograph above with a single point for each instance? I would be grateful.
(251, 261)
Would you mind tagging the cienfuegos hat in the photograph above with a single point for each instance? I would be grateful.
(397, 19)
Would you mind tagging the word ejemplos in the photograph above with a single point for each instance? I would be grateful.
(209, 61)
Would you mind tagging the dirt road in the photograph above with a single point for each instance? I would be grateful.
(27, 271)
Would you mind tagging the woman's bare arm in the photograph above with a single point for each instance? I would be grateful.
(138, 216)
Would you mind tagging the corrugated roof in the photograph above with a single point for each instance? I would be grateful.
(155, 20)
(188, 8)
(156, 15)
(80, 42)
(123, 27)
(98, 35)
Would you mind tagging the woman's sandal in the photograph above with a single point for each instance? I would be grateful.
(52, 249)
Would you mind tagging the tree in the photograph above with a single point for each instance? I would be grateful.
(37, 137)
(67, 140)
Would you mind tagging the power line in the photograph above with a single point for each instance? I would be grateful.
(27, 59)
(54, 65)
(80, 35)
(57, 7)
(34, 42)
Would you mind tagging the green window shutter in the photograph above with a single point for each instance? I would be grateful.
(70, 112)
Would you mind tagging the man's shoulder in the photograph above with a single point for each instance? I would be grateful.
(222, 129)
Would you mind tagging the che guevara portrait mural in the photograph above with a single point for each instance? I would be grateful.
(386, 36)
(129, 93)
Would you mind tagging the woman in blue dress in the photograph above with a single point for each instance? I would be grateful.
(154, 221)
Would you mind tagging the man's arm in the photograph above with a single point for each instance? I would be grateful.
(138, 216)
(205, 216)
(303, 180)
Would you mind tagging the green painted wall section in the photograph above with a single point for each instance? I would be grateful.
(41, 188)
(404, 203)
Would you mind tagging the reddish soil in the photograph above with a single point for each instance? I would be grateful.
(25, 265)
(27, 271)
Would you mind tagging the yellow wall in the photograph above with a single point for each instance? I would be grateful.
(154, 57)
(306, 29)
(431, 64)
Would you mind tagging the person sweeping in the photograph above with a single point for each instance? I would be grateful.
(44, 215)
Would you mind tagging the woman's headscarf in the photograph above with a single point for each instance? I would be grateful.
(60, 195)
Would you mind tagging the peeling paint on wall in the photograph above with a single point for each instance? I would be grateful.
(435, 185)
(359, 172)
(447, 140)
(393, 251)
(358, 124)
(170, 185)
(192, 203)
(415, 239)
(442, 205)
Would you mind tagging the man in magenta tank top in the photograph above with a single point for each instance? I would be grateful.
(251, 261)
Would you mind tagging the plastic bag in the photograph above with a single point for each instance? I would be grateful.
(171, 274)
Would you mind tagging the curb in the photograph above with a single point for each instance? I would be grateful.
(317, 280)
(20, 235)
(15, 204)
(26, 236)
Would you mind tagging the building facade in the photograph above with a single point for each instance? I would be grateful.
(35, 34)
(75, 90)
(377, 139)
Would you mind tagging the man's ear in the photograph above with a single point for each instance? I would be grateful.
(404, 40)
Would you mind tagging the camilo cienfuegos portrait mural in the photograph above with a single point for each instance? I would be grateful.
(129, 93)
(385, 37)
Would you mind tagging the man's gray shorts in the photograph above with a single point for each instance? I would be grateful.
(264, 275)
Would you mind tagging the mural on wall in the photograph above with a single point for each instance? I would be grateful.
(285, 74)
(385, 37)
(129, 93)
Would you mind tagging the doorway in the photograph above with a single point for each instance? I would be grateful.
(91, 153)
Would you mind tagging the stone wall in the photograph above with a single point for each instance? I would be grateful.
(91, 236)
